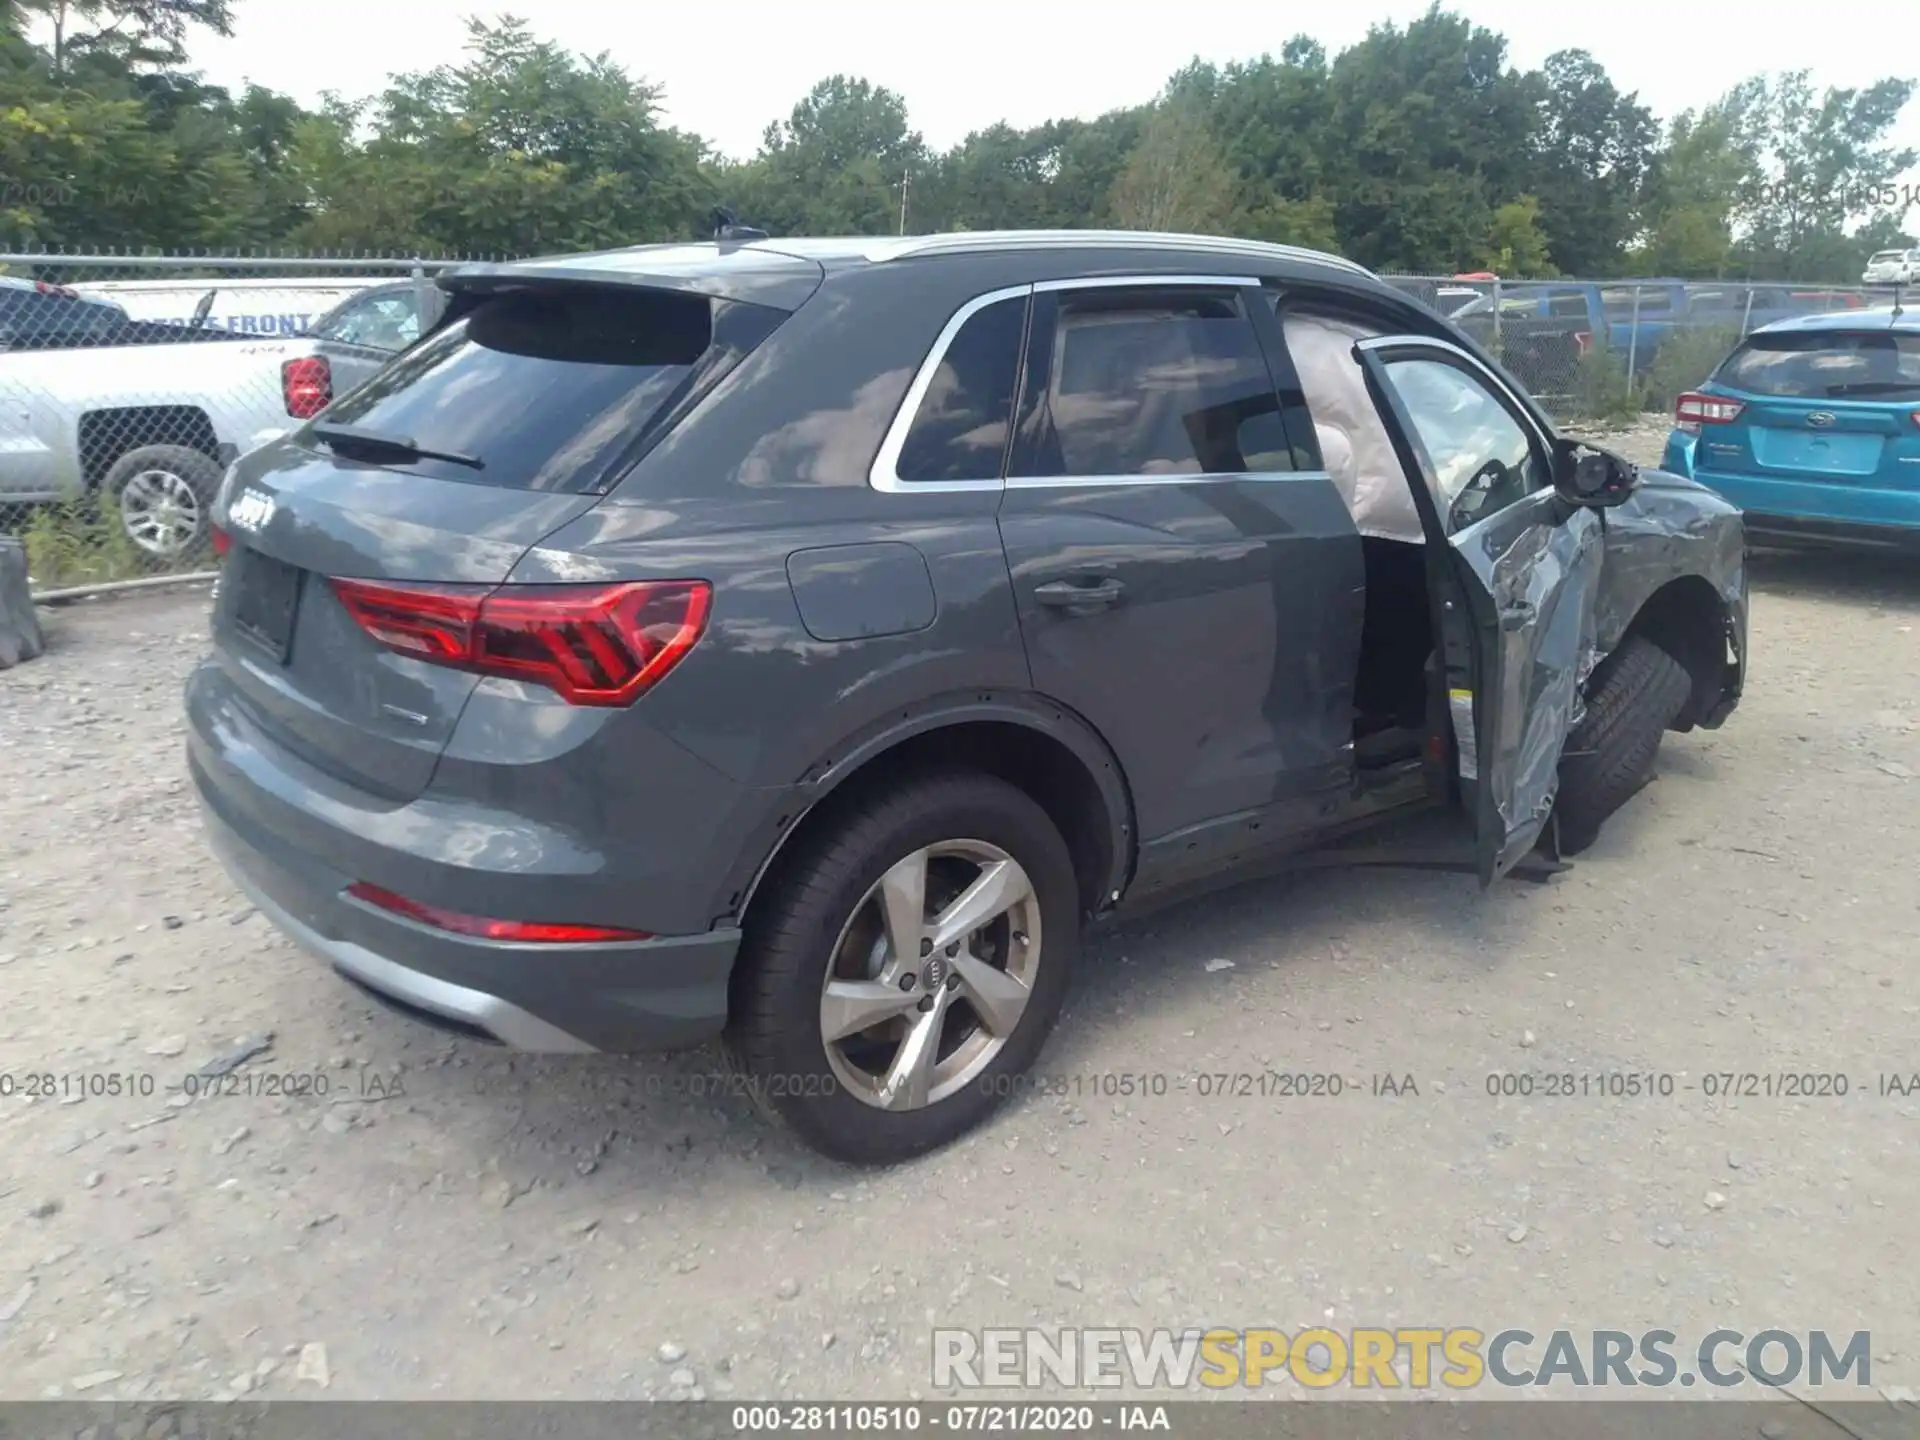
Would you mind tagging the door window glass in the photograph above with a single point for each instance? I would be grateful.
(1158, 382)
(1482, 458)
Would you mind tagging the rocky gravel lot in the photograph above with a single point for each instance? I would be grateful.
(361, 1208)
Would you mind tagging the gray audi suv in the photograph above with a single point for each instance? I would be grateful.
(797, 642)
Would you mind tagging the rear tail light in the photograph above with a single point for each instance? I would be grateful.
(307, 385)
(1692, 410)
(537, 932)
(593, 644)
(1915, 417)
(47, 287)
(222, 541)
(1583, 341)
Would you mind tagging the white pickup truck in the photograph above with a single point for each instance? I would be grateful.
(151, 427)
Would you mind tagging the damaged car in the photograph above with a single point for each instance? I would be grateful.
(797, 643)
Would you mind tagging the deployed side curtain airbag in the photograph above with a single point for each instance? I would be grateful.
(1353, 441)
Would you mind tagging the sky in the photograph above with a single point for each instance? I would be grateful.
(729, 67)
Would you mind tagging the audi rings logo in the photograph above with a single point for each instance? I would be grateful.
(250, 511)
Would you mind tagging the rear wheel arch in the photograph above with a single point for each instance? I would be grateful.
(1049, 753)
(106, 435)
(1687, 618)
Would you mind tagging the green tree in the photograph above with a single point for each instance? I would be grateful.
(836, 165)
(1428, 131)
(1595, 147)
(126, 33)
(1176, 178)
(1517, 243)
(522, 148)
(1824, 164)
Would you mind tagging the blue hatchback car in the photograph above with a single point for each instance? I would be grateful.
(1812, 427)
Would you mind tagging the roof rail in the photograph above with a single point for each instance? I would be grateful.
(965, 240)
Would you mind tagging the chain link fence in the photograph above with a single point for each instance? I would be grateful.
(1607, 349)
(127, 385)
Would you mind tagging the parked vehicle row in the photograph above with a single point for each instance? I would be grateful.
(148, 415)
(265, 306)
(798, 642)
(1546, 328)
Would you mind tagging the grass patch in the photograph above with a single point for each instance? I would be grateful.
(77, 543)
(1683, 362)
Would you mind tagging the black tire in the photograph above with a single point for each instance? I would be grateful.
(1636, 693)
(775, 1032)
(193, 475)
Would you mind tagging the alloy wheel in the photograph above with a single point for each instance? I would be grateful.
(931, 974)
(160, 511)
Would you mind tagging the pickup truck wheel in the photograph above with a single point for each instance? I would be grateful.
(163, 496)
(906, 971)
(1636, 693)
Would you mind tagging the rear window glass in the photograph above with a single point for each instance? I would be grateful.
(546, 388)
(1827, 365)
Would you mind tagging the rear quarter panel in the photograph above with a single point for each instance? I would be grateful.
(774, 464)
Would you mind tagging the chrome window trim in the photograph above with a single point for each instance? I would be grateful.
(885, 473)
(1109, 482)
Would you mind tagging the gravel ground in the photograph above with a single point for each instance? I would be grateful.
(449, 1220)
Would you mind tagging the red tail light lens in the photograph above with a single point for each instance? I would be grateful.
(594, 644)
(537, 932)
(222, 541)
(307, 385)
(1583, 341)
(47, 287)
(1692, 410)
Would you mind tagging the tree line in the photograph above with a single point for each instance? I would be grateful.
(1420, 149)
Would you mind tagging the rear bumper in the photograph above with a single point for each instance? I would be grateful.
(1809, 530)
(1791, 506)
(649, 995)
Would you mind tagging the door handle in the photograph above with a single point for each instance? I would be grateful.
(1080, 594)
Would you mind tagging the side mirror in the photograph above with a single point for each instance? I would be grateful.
(201, 311)
(1592, 477)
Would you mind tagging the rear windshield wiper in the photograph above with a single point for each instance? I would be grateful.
(372, 442)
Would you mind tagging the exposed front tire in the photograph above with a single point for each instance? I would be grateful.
(161, 497)
(907, 968)
(1636, 694)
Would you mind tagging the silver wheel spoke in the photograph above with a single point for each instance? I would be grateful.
(903, 900)
(850, 1006)
(996, 890)
(999, 999)
(911, 1074)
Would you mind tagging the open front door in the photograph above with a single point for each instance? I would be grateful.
(1517, 574)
